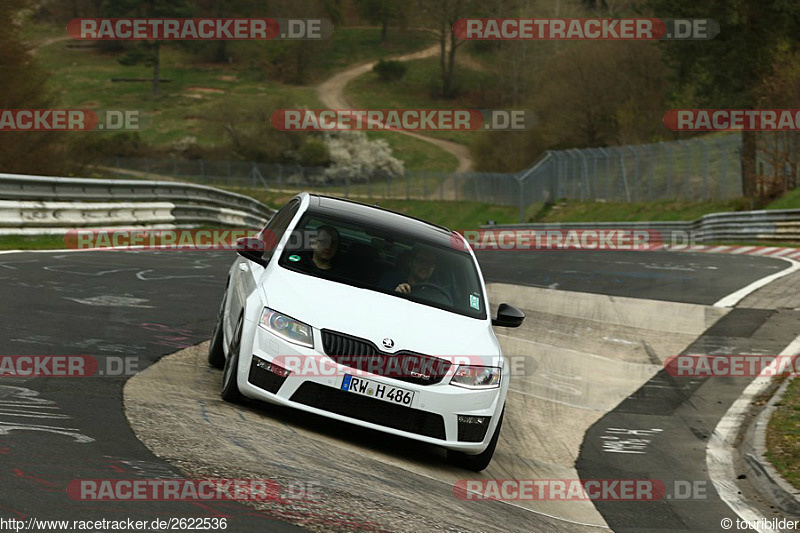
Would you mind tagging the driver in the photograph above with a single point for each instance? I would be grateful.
(421, 268)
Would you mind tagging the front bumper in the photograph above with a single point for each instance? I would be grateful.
(432, 416)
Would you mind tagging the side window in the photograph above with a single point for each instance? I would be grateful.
(276, 227)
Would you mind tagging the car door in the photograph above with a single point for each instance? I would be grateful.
(245, 272)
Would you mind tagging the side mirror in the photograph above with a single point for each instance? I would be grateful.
(508, 316)
(251, 249)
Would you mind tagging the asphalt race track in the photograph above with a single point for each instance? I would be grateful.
(699, 278)
(135, 307)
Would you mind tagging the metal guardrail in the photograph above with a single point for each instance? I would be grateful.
(769, 226)
(32, 205)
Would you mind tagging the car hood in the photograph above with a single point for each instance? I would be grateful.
(375, 316)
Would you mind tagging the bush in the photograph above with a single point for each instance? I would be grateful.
(353, 156)
(389, 71)
(314, 153)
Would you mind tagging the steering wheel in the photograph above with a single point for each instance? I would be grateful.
(424, 285)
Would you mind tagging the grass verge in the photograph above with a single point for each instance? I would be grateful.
(32, 242)
(783, 435)
(665, 210)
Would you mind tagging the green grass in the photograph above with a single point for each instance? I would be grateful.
(453, 214)
(783, 435)
(33, 242)
(417, 154)
(665, 210)
(191, 103)
(415, 91)
(790, 200)
(359, 45)
(199, 95)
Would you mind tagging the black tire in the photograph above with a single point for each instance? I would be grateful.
(479, 462)
(230, 389)
(216, 354)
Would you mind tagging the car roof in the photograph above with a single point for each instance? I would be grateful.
(377, 216)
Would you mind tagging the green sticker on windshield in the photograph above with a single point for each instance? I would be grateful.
(474, 302)
(294, 258)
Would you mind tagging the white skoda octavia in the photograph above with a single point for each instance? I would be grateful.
(370, 317)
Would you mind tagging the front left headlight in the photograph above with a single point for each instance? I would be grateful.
(286, 327)
(477, 377)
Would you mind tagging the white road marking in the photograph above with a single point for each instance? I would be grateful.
(736, 297)
(719, 453)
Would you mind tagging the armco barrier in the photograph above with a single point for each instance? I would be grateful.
(766, 226)
(31, 205)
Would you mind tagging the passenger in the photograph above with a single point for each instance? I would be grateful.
(324, 257)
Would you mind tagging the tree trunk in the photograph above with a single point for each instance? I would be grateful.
(156, 69)
(451, 61)
(222, 51)
(443, 58)
(748, 162)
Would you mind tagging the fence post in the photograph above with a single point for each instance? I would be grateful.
(607, 179)
(722, 160)
(686, 186)
(638, 171)
(705, 169)
(652, 179)
(625, 177)
(521, 200)
(669, 176)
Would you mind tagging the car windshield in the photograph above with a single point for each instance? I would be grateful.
(393, 263)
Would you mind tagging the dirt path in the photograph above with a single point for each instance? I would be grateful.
(331, 94)
(48, 42)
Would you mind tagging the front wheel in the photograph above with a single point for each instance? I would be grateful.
(230, 388)
(479, 462)
(216, 354)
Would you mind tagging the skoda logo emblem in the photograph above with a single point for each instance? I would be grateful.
(388, 343)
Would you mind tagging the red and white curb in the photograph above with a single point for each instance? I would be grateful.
(764, 251)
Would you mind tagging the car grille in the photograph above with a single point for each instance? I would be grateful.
(403, 365)
(370, 410)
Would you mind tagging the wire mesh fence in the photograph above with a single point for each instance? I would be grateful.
(491, 188)
(704, 168)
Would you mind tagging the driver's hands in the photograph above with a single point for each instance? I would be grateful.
(404, 288)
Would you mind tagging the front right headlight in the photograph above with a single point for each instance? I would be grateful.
(286, 327)
(477, 377)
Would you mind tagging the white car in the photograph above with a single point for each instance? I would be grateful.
(367, 316)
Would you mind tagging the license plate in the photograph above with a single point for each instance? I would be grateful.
(373, 389)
